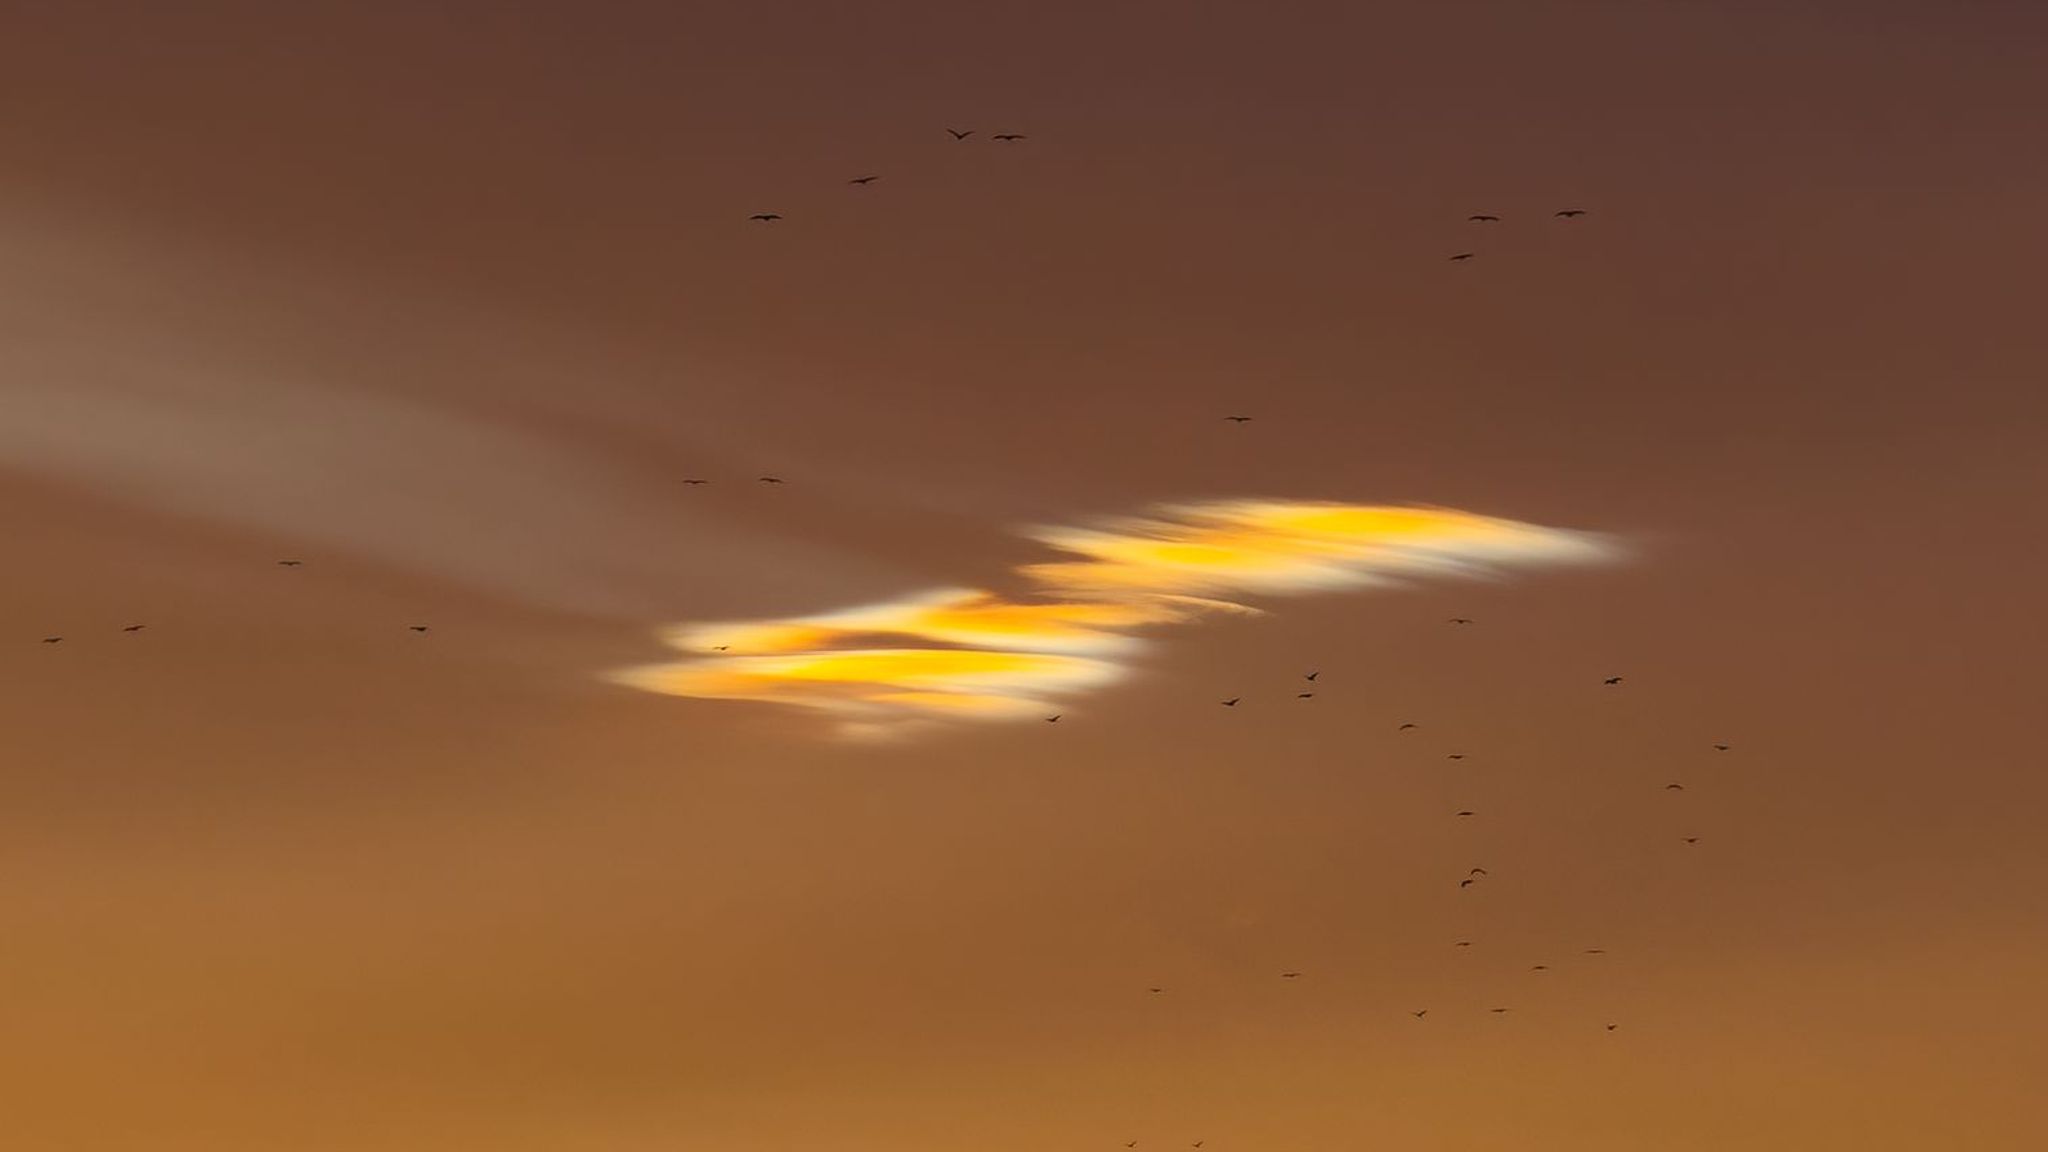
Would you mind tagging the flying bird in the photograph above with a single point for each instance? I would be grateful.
(1461, 619)
(1571, 213)
(766, 217)
(1461, 256)
(771, 479)
(1054, 719)
(420, 628)
(1304, 695)
(1479, 872)
(1290, 975)
(863, 180)
(1720, 747)
(957, 134)
(1455, 756)
(695, 480)
(1612, 680)
(721, 647)
(1468, 881)
(1155, 991)
(133, 628)
(1483, 218)
(1008, 136)
(1405, 727)
(1692, 839)
(1497, 1011)
(1612, 1027)
(1232, 702)
(1420, 1013)
(1462, 944)
(1468, 812)
(1596, 952)
(1239, 419)
(290, 563)
(1311, 676)
(1674, 787)
(1539, 967)
(53, 639)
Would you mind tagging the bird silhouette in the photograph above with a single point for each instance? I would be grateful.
(771, 479)
(1455, 756)
(1674, 787)
(1239, 419)
(1692, 839)
(1720, 747)
(863, 180)
(1539, 967)
(1468, 812)
(1462, 944)
(1612, 1027)
(1290, 975)
(290, 563)
(1419, 1013)
(1612, 680)
(1498, 1011)
(1468, 881)
(1483, 218)
(1461, 256)
(1570, 213)
(1304, 695)
(695, 480)
(1596, 952)
(53, 639)
(1311, 676)
(957, 134)
(721, 647)
(1054, 719)
(1155, 991)
(1232, 702)
(420, 628)
(1405, 727)
(1461, 619)
(133, 628)
(766, 217)
(1007, 136)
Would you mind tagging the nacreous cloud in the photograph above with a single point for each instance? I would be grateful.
(965, 654)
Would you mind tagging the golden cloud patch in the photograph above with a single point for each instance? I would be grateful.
(972, 654)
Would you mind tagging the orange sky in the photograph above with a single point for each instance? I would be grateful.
(446, 301)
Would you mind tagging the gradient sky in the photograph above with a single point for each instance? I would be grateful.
(447, 299)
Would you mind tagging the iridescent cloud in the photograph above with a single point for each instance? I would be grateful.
(970, 654)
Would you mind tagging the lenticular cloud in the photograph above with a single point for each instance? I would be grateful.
(969, 654)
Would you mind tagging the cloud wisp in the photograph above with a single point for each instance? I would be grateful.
(970, 654)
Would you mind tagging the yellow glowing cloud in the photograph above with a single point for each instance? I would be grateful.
(963, 653)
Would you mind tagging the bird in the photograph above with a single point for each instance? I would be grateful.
(1461, 256)
(1539, 967)
(863, 180)
(420, 628)
(1130, 1144)
(1479, 872)
(133, 628)
(1455, 756)
(1239, 419)
(1155, 991)
(1612, 1027)
(1612, 680)
(766, 217)
(1311, 676)
(290, 563)
(957, 134)
(1570, 213)
(1304, 695)
(1461, 619)
(1674, 787)
(1467, 882)
(1462, 944)
(1692, 839)
(1468, 812)
(1196, 1144)
(1720, 747)
(53, 639)
(1054, 718)
(721, 647)
(1007, 136)
(1232, 702)
(1419, 1013)
(1405, 727)
(1497, 1011)
(1482, 218)
(1290, 975)
(1596, 952)
(695, 480)
(771, 479)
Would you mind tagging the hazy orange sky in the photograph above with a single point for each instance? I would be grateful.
(447, 300)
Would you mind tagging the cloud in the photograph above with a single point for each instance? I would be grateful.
(969, 654)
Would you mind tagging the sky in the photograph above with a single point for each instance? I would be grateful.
(727, 816)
